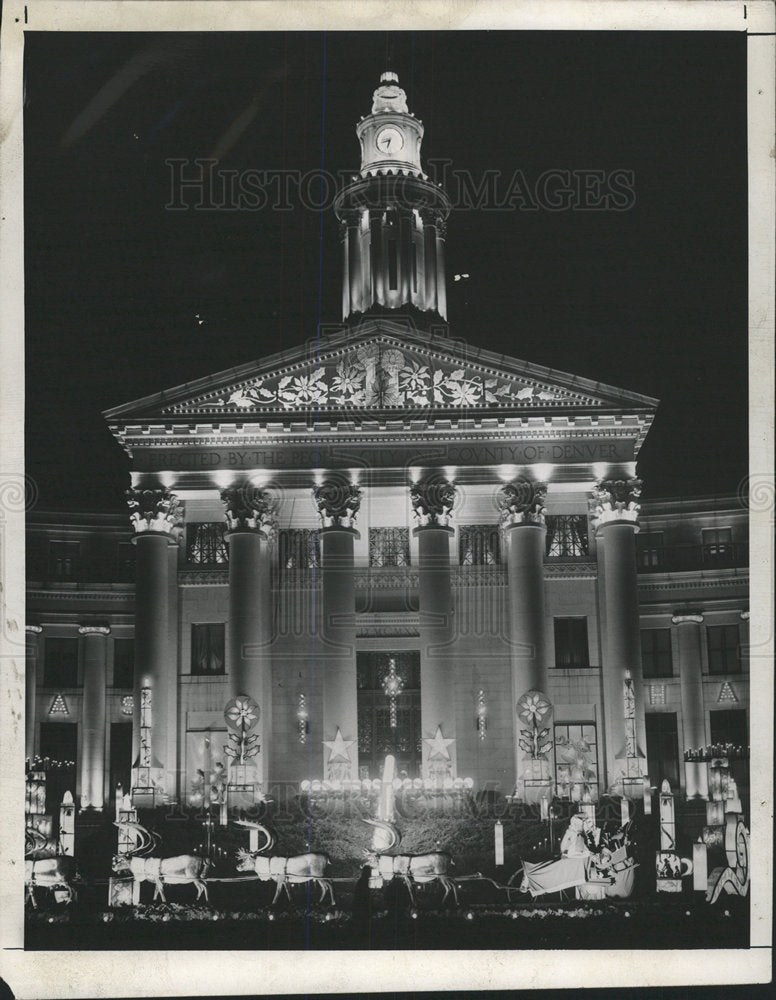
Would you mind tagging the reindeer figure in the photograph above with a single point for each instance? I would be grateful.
(410, 868)
(282, 871)
(180, 870)
(44, 868)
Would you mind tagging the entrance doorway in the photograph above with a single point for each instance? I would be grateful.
(120, 757)
(389, 723)
(662, 748)
(58, 743)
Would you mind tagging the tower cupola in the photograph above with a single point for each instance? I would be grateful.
(392, 216)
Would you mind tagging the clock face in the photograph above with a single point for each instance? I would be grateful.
(389, 140)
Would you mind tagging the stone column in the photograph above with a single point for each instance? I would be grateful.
(432, 502)
(614, 511)
(338, 502)
(155, 515)
(523, 525)
(441, 287)
(429, 260)
(250, 516)
(31, 666)
(693, 711)
(93, 716)
(354, 277)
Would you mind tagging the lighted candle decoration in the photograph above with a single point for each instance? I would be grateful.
(498, 835)
(700, 875)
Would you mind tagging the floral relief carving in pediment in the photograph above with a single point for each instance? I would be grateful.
(382, 375)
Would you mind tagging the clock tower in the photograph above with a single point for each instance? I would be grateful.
(392, 216)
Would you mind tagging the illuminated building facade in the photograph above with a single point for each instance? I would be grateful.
(388, 541)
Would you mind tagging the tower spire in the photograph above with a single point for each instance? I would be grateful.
(392, 216)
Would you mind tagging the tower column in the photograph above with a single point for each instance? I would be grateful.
(93, 715)
(155, 514)
(31, 668)
(338, 502)
(693, 713)
(432, 502)
(615, 510)
(441, 296)
(430, 260)
(522, 521)
(250, 523)
(354, 278)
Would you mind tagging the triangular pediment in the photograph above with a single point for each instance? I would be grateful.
(382, 366)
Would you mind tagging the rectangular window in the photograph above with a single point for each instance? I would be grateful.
(298, 548)
(61, 662)
(123, 663)
(64, 560)
(649, 549)
(207, 649)
(724, 653)
(206, 545)
(656, 652)
(479, 545)
(576, 761)
(717, 546)
(566, 536)
(571, 648)
(125, 562)
(389, 546)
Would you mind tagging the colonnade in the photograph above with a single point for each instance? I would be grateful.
(250, 519)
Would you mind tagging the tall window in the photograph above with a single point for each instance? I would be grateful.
(389, 546)
(571, 648)
(207, 649)
(298, 548)
(656, 652)
(205, 544)
(479, 545)
(64, 560)
(649, 549)
(576, 760)
(717, 545)
(729, 726)
(61, 662)
(123, 663)
(724, 654)
(125, 562)
(566, 536)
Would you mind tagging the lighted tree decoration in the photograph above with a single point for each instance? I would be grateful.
(242, 714)
(392, 686)
(532, 709)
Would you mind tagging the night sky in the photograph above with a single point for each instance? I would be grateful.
(125, 298)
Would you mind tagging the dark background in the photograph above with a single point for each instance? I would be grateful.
(652, 299)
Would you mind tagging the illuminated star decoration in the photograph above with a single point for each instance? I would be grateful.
(338, 748)
(437, 747)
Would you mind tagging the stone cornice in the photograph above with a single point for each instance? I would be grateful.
(693, 582)
(81, 595)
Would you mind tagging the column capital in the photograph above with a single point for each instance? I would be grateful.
(521, 502)
(94, 629)
(33, 629)
(432, 502)
(687, 618)
(615, 500)
(337, 502)
(247, 508)
(154, 510)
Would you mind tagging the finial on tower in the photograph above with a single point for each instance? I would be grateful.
(389, 96)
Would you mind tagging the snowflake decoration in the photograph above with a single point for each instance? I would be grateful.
(242, 713)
